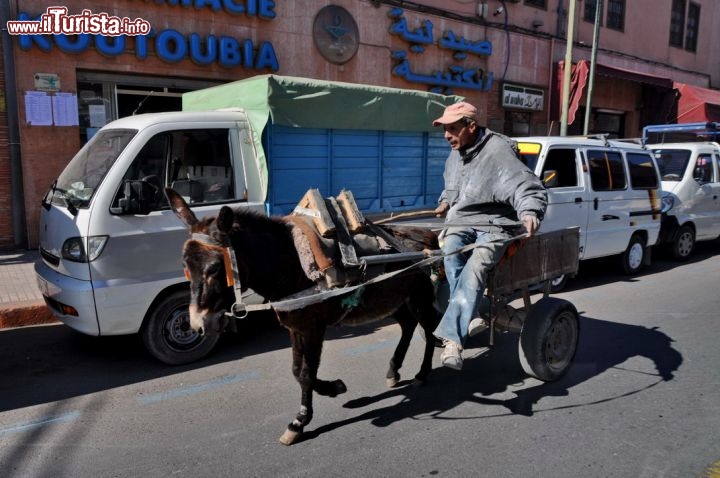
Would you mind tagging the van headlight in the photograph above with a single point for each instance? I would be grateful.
(668, 201)
(83, 249)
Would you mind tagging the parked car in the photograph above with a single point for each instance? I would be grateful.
(610, 189)
(690, 173)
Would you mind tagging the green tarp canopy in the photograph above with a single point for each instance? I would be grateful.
(308, 103)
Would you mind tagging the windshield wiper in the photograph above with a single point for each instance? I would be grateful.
(72, 209)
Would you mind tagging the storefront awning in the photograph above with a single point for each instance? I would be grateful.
(630, 75)
(697, 104)
(579, 78)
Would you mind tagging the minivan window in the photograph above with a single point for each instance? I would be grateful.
(79, 180)
(672, 163)
(703, 168)
(607, 172)
(642, 171)
(529, 153)
(560, 168)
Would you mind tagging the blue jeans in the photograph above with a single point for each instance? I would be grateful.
(466, 275)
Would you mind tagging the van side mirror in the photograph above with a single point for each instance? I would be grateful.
(550, 178)
(138, 197)
(699, 175)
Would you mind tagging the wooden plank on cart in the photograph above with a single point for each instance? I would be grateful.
(531, 261)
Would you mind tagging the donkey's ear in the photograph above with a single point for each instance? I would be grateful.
(180, 207)
(225, 219)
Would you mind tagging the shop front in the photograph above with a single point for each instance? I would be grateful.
(125, 59)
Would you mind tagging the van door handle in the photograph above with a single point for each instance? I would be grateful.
(609, 217)
(578, 200)
(596, 202)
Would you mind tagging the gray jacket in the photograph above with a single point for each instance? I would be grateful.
(487, 183)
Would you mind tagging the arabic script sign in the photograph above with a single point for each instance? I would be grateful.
(456, 76)
(520, 97)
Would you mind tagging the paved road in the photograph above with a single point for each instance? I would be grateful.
(641, 399)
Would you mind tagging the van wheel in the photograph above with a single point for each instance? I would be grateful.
(167, 334)
(632, 258)
(558, 283)
(684, 243)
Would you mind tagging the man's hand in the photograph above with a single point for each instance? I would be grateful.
(530, 223)
(442, 209)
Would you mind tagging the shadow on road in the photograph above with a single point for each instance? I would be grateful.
(603, 345)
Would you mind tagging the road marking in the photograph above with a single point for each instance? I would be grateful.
(39, 422)
(197, 388)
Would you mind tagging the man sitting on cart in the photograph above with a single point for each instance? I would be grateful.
(487, 189)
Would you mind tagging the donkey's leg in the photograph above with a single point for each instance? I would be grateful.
(306, 360)
(407, 325)
(302, 375)
(421, 305)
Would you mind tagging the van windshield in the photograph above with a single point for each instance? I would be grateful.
(529, 153)
(672, 163)
(77, 183)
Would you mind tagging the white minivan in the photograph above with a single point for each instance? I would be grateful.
(109, 244)
(610, 189)
(690, 174)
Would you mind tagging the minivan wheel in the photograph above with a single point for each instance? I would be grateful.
(684, 243)
(167, 334)
(632, 258)
(558, 283)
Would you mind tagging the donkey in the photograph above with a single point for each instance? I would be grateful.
(268, 263)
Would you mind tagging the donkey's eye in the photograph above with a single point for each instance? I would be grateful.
(212, 269)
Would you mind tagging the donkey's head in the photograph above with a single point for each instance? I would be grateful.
(207, 265)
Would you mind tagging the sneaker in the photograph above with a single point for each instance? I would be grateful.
(450, 357)
(477, 325)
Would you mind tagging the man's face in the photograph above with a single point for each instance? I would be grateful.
(460, 134)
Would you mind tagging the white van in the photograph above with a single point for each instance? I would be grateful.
(110, 246)
(690, 174)
(610, 189)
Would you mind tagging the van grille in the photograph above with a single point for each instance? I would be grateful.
(49, 258)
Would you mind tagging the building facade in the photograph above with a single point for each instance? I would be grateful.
(107, 59)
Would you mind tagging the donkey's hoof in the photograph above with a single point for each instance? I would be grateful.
(392, 382)
(290, 437)
(340, 387)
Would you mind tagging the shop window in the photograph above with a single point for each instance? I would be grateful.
(677, 23)
(517, 123)
(693, 24)
(607, 172)
(616, 14)
(590, 8)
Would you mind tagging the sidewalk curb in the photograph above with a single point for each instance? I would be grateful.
(25, 313)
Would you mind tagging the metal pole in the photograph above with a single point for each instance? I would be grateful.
(593, 59)
(568, 68)
(16, 176)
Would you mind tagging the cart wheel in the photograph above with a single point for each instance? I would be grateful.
(549, 337)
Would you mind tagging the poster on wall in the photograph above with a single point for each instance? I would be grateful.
(38, 108)
(65, 109)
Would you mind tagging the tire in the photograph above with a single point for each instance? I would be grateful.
(548, 339)
(632, 259)
(167, 334)
(684, 243)
(558, 283)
